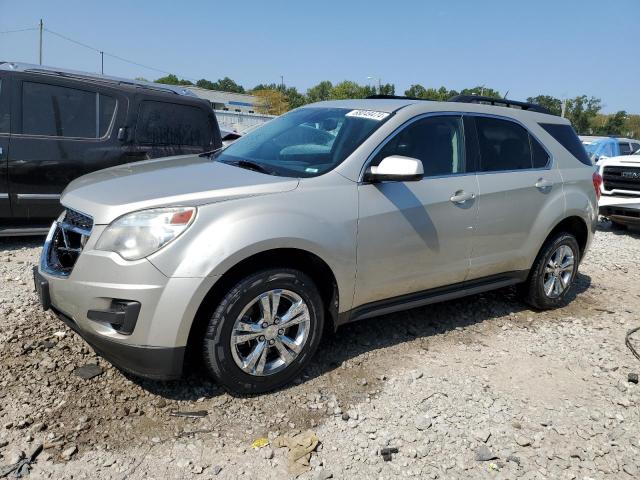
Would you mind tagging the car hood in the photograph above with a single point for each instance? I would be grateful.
(633, 160)
(186, 180)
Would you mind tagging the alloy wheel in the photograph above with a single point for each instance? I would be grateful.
(558, 272)
(270, 332)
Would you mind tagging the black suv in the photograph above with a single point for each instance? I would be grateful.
(56, 125)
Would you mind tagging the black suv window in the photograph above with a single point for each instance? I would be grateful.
(4, 111)
(504, 145)
(436, 141)
(566, 136)
(57, 111)
(161, 123)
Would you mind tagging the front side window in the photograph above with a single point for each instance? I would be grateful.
(504, 145)
(161, 123)
(436, 141)
(305, 142)
(57, 111)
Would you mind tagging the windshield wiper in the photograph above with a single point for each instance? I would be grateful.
(249, 165)
(211, 152)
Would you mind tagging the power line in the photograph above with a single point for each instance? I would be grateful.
(112, 55)
(20, 30)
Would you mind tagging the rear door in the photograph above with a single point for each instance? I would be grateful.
(5, 129)
(61, 130)
(517, 182)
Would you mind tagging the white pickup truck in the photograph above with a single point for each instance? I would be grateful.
(620, 200)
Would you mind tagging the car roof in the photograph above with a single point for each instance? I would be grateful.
(426, 106)
(94, 77)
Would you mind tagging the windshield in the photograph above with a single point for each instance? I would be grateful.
(306, 142)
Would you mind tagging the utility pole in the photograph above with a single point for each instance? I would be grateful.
(282, 82)
(41, 29)
(101, 62)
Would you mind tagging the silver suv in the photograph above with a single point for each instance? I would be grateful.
(335, 212)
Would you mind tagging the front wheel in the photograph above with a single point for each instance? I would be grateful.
(553, 273)
(264, 331)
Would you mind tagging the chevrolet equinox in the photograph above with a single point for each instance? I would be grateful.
(335, 212)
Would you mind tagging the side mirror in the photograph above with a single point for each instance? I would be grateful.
(395, 168)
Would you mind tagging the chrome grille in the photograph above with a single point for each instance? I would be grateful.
(616, 177)
(65, 242)
(78, 220)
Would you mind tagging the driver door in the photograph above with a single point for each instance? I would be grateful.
(413, 236)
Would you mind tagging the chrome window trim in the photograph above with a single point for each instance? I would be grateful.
(4, 196)
(550, 164)
(38, 196)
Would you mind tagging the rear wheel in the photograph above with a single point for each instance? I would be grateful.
(264, 331)
(553, 273)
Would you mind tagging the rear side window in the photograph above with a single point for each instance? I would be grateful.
(57, 111)
(436, 141)
(566, 136)
(161, 123)
(504, 145)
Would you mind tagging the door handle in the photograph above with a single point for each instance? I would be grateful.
(543, 184)
(461, 197)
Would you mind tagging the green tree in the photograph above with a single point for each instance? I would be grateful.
(581, 111)
(552, 103)
(204, 83)
(441, 94)
(223, 84)
(171, 79)
(320, 92)
(271, 101)
(416, 91)
(141, 79)
(348, 89)
(614, 124)
(387, 89)
(481, 90)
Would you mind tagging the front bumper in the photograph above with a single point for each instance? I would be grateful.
(155, 347)
(624, 210)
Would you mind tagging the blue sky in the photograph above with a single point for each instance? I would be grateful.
(559, 47)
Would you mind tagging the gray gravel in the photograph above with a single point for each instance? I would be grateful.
(476, 388)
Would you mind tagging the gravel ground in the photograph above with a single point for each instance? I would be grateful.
(480, 387)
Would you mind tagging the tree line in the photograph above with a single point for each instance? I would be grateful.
(583, 111)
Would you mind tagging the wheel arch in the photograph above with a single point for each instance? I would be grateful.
(574, 225)
(299, 259)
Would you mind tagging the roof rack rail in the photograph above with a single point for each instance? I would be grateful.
(501, 102)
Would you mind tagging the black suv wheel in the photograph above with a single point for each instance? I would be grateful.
(264, 331)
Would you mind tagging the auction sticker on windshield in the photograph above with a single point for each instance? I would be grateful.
(369, 114)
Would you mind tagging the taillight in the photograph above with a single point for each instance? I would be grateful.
(597, 183)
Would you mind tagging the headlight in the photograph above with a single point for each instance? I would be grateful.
(139, 234)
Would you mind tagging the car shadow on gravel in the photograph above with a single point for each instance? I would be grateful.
(633, 232)
(386, 331)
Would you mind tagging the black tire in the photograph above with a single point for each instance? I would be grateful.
(217, 349)
(617, 226)
(532, 291)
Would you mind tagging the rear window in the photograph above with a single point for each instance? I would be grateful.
(57, 111)
(161, 123)
(566, 136)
